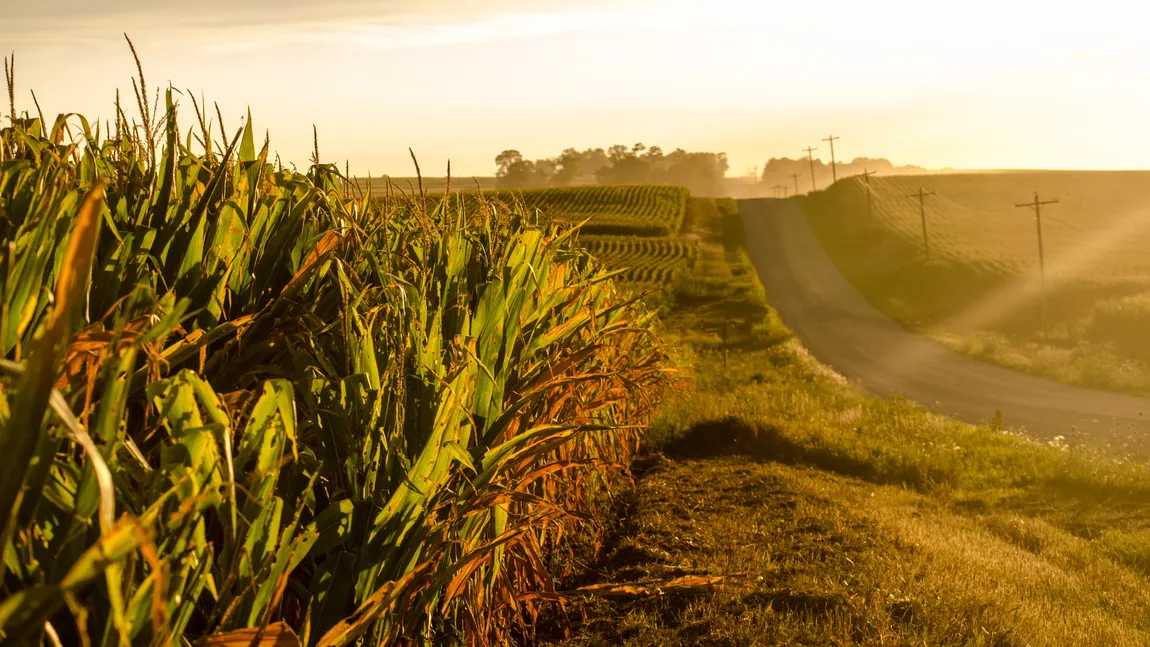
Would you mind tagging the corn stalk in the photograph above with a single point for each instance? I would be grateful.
(238, 406)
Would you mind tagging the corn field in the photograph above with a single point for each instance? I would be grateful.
(652, 261)
(621, 210)
(240, 405)
(644, 210)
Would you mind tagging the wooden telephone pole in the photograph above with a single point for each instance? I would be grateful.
(834, 175)
(809, 150)
(1037, 206)
(796, 177)
(921, 195)
(866, 177)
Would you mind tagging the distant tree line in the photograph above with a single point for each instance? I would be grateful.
(702, 173)
(779, 171)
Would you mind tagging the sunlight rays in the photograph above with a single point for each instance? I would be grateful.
(1024, 291)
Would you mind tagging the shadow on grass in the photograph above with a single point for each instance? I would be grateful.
(732, 436)
(626, 554)
(1083, 501)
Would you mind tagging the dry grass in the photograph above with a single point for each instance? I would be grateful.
(819, 559)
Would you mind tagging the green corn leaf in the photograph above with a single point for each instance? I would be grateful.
(24, 613)
(20, 437)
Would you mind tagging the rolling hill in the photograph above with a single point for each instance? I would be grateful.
(982, 276)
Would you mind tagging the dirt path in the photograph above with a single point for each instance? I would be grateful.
(837, 324)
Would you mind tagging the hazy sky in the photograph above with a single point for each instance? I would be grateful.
(971, 84)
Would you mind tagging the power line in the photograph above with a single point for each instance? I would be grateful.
(921, 195)
(834, 175)
(1037, 206)
(866, 177)
(809, 150)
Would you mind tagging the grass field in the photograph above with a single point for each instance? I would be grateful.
(779, 505)
(980, 291)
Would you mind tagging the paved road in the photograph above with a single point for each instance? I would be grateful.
(844, 331)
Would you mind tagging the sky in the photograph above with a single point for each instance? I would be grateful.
(973, 84)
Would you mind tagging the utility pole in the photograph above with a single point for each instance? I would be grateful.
(921, 195)
(1037, 206)
(866, 177)
(834, 175)
(796, 176)
(811, 159)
